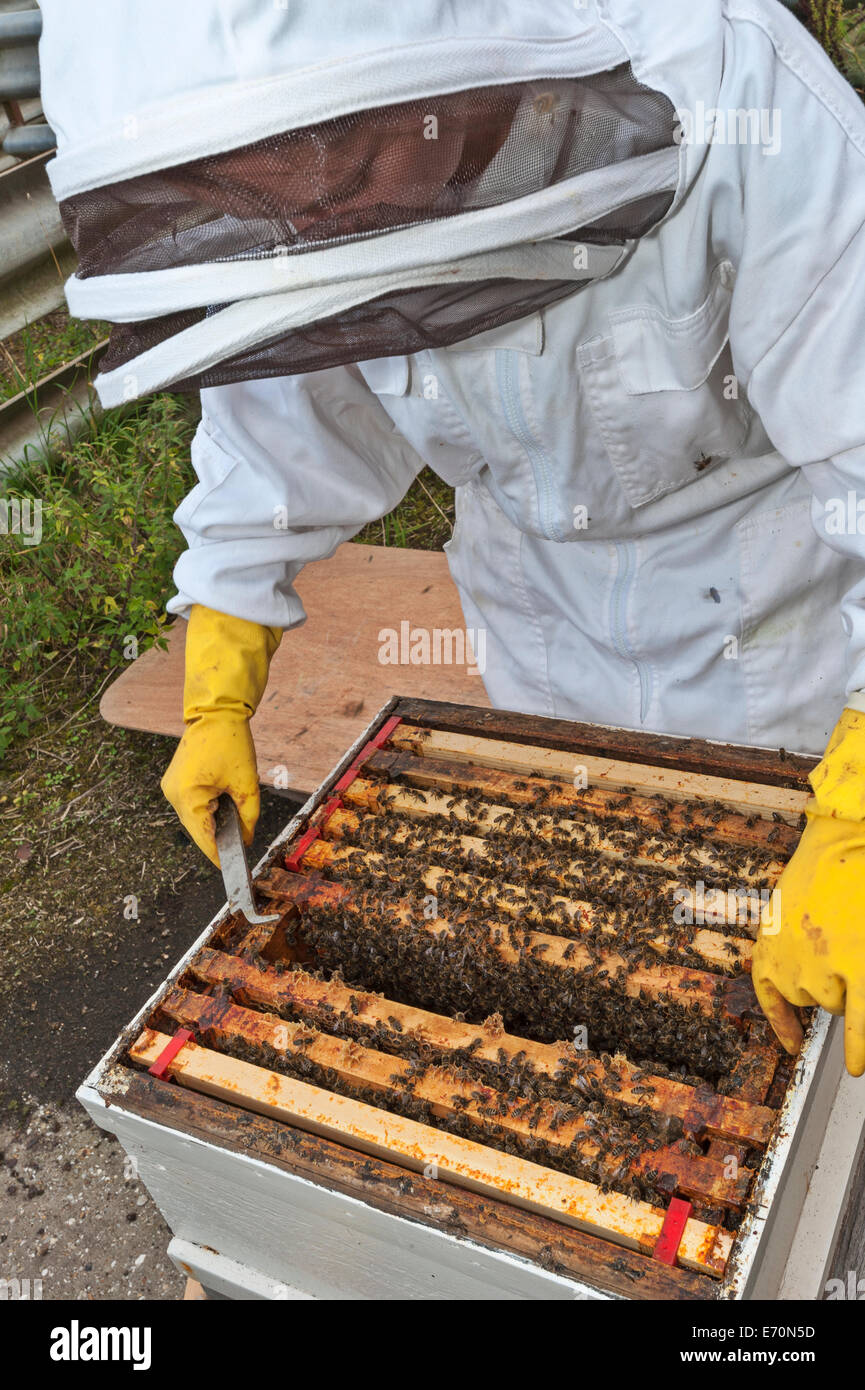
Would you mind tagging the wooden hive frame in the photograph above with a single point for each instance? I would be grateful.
(265, 1037)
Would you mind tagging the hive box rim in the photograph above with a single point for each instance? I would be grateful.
(103, 1085)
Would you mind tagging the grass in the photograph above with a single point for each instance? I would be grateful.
(90, 595)
(83, 827)
(82, 821)
(42, 347)
(852, 48)
(423, 520)
(839, 26)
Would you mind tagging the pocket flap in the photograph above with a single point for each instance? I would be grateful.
(656, 353)
(386, 376)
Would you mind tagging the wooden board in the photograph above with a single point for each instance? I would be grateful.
(486, 819)
(726, 999)
(751, 832)
(718, 951)
(777, 767)
(702, 1110)
(326, 680)
(449, 1096)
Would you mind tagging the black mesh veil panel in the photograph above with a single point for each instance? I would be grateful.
(362, 176)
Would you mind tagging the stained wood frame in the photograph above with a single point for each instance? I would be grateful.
(483, 1218)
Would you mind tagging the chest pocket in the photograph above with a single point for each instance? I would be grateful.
(444, 401)
(664, 394)
(492, 378)
(410, 393)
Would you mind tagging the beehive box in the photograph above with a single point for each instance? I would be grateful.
(506, 1006)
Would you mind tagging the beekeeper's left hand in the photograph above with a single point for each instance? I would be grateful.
(811, 946)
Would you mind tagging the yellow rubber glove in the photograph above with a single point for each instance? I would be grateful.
(811, 946)
(227, 661)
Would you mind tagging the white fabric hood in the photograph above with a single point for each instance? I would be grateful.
(185, 132)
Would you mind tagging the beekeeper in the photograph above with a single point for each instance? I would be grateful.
(601, 265)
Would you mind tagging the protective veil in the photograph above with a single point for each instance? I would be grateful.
(602, 266)
(386, 184)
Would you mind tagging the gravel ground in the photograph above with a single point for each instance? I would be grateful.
(74, 1220)
(72, 1212)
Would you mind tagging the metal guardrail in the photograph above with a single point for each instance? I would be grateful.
(30, 222)
(24, 141)
(49, 412)
(21, 26)
(19, 79)
(19, 73)
(35, 255)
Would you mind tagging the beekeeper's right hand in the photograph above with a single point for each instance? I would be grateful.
(227, 663)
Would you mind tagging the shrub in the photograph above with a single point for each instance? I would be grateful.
(101, 572)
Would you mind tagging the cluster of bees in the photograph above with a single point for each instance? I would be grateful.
(620, 1136)
(382, 938)
(633, 896)
(460, 971)
(537, 812)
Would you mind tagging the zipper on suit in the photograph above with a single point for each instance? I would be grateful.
(626, 570)
(507, 376)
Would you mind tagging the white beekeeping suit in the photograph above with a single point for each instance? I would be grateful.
(601, 266)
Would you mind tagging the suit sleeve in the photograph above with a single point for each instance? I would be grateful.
(288, 469)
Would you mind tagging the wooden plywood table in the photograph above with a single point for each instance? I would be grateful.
(326, 680)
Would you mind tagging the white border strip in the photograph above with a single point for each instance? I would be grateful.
(743, 1262)
(250, 322)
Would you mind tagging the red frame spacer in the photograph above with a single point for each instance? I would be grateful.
(292, 861)
(375, 743)
(668, 1242)
(170, 1051)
